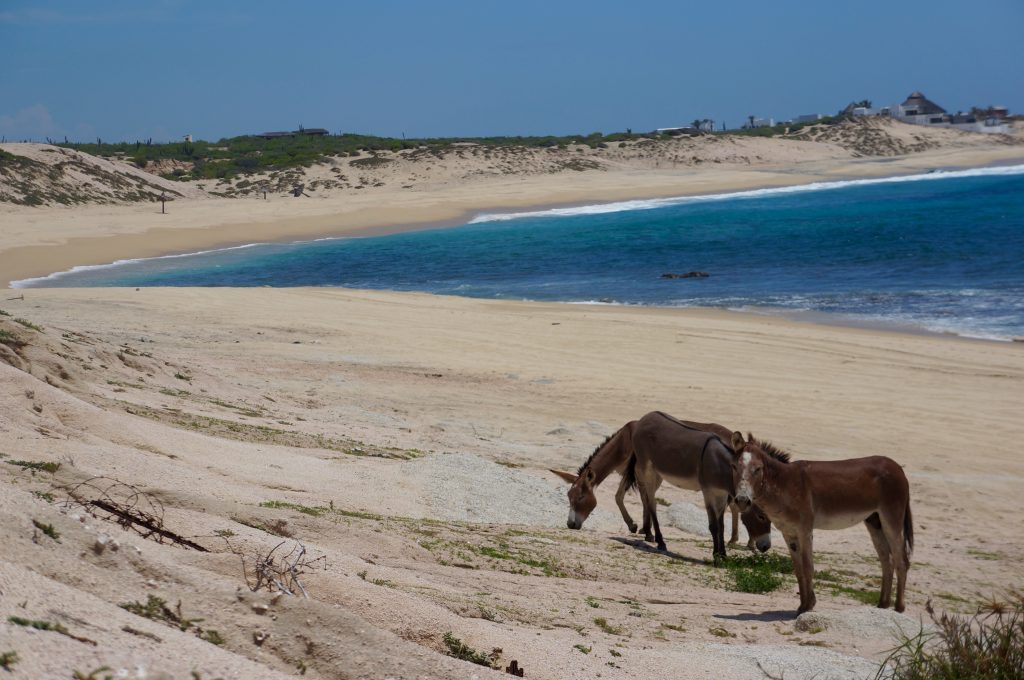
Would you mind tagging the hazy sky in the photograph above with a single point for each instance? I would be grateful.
(161, 69)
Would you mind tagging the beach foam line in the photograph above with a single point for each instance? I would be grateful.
(30, 282)
(653, 203)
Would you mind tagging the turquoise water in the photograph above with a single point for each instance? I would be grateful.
(942, 251)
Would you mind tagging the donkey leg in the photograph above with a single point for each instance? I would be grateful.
(620, 496)
(735, 537)
(878, 537)
(715, 504)
(798, 569)
(652, 506)
(893, 528)
(807, 559)
(801, 551)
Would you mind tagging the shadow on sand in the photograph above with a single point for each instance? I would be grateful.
(766, 617)
(640, 544)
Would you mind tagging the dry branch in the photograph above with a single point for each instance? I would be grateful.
(130, 507)
(278, 571)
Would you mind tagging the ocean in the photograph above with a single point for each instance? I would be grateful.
(942, 251)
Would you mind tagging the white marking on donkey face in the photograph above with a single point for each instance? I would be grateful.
(745, 490)
(572, 523)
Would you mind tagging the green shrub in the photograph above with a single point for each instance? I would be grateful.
(759, 573)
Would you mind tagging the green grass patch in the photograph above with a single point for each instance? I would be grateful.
(983, 554)
(47, 529)
(760, 573)
(7, 660)
(304, 509)
(35, 465)
(603, 624)
(592, 602)
(10, 339)
(28, 324)
(583, 649)
(864, 595)
(460, 650)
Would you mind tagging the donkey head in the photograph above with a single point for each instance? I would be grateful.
(747, 470)
(759, 528)
(582, 499)
(748, 465)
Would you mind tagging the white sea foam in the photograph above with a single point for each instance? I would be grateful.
(29, 283)
(650, 204)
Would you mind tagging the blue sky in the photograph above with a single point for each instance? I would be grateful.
(164, 68)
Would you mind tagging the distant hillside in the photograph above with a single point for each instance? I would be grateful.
(41, 174)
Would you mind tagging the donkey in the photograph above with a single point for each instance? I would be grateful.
(802, 496)
(655, 447)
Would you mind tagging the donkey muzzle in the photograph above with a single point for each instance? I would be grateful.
(743, 503)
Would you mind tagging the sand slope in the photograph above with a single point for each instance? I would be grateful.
(406, 438)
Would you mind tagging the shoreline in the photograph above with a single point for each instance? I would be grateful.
(114, 233)
(831, 319)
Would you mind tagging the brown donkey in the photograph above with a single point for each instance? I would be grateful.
(802, 496)
(655, 447)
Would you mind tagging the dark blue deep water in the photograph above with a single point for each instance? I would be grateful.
(939, 252)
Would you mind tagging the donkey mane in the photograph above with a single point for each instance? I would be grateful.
(599, 447)
(769, 448)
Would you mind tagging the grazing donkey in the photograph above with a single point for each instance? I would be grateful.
(802, 496)
(658, 447)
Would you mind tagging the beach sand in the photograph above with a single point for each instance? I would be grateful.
(407, 438)
(416, 432)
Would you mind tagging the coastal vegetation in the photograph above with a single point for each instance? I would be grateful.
(247, 154)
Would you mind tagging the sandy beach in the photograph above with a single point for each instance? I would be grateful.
(406, 440)
(406, 196)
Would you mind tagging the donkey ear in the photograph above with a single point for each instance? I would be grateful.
(737, 441)
(567, 476)
(589, 476)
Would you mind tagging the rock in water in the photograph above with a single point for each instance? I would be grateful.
(687, 275)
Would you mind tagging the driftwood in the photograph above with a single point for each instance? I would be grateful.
(130, 507)
(279, 571)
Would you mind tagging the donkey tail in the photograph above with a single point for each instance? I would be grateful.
(908, 533)
(629, 476)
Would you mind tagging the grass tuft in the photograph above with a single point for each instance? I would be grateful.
(603, 624)
(8, 659)
(460, 650)
(28, 324)
(47, 529)
(34, 465)
(989, 645)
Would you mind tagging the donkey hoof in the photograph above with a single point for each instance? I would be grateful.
(649, 538)
(662, 547)
(633, 528)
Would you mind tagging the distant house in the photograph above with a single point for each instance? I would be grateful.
(919, 110)
(673, 131)
(314, 132)
(761, 122)
(808, 118)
